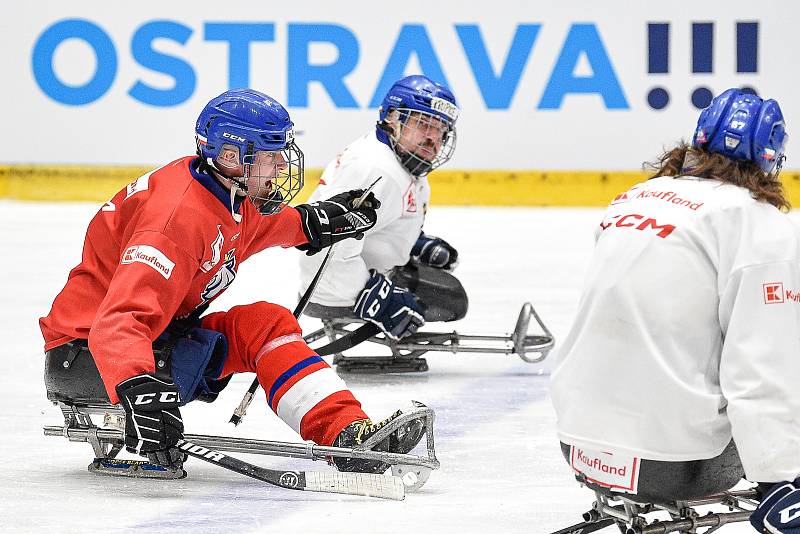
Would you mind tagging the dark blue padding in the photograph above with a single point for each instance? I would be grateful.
(197, 361)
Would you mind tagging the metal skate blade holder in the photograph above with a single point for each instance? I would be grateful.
(519, 342)
(523, 343)
(633, 516)
(413, 476)
(415, 469)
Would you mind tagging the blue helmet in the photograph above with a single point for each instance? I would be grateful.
(428, 103)
(247, 121)
(743, 126)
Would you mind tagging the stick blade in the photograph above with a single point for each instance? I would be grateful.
(365, 484)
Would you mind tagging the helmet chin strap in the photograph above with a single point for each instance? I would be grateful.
(233, 184)
(236, 216)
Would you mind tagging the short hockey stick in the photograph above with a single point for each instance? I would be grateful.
(241, 410)
(587, 526)
(349, 340)
(364, 484)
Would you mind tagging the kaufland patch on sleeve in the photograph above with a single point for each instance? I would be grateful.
(149, 256)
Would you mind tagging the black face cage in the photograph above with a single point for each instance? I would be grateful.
(412, 162)
(288, 180)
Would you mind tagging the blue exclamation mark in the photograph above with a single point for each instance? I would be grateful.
(658, 61)
(747, 47)
(702, 60)
(747, 50)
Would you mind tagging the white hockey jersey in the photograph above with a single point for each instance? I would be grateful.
(688, 331)
(404, 200)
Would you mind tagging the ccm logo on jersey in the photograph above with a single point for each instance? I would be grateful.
(165, 397)
(638, 222)
(149, 256)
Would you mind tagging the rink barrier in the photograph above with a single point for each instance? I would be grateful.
(448, 187)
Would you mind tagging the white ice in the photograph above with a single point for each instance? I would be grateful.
(501, 471)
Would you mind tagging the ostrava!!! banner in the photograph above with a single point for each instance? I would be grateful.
(577, 85)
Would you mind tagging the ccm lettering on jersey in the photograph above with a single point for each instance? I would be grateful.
(638, 222)
(149, 256)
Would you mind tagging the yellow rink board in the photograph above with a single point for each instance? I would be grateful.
(449, 187)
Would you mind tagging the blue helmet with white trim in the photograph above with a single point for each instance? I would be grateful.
(238, 127)
(417, 120)
(743, 126)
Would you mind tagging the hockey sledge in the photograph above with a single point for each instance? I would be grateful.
(636, 517)
(102, 425)
(406, 353)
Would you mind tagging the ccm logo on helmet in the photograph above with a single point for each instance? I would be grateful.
(167, 397)
(232, 137)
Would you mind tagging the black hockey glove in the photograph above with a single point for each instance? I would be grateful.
(394, 309)
(153, 423)
(329, 221)
(434, 252)
(779, 510)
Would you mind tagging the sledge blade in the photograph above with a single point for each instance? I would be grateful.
(133, 469)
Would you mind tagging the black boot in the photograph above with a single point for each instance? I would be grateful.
(401, 441)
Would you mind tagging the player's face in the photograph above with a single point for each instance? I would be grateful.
(422, 135)
(264, 170)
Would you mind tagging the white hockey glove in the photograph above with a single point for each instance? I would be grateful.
(779, 510)
(394, 309)
(153, 423)
(329, 221)
(434, 252)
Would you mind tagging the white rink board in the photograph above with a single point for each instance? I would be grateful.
(528, 116)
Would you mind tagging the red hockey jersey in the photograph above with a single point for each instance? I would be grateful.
(164, 245)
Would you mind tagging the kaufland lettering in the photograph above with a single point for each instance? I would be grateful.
(149, 256)
(671, 197)
(599, 465)
(497, 81)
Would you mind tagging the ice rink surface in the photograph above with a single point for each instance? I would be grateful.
(501, 472)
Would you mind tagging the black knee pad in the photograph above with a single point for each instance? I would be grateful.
(439, 290)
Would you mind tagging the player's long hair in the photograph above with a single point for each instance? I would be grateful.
(684, 160)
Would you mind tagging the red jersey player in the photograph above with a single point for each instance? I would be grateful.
(169, 243)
